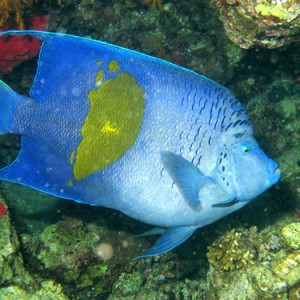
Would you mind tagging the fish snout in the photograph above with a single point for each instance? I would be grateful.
(274, 172)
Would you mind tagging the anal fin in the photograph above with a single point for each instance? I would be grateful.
(171, 238)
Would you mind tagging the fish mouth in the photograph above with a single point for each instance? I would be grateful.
(276, 175)
(277, 170)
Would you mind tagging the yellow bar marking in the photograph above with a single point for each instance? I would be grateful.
(113, 66)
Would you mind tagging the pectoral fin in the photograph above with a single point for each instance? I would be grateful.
(171, 238)
(187, 177)
(193, 185)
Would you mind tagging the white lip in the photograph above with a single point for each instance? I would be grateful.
(276, 176)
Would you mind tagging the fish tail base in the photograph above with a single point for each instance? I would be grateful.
(7, 105)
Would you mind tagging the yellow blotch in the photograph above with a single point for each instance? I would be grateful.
(72, 157)
(113, 66)
(109, 129)
(98, 63)
(70, 183)
(99, 78)
(111, 126)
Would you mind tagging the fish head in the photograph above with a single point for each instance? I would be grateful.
(244, 170)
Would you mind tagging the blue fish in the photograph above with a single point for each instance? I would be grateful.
(113, 127)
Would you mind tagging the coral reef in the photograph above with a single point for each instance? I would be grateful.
(165, 277)
(272, 273)
(49, 290)
(69, 251)
(14, 8)
(12, 269)
(240, 248)
(291, 234)
(16, 282)
(270, 24)
(233, 251)
(155, 4)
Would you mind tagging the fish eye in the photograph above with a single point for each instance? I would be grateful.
(246, 148)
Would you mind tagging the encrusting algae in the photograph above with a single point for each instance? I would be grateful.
(233, 250)
(291, 235)
(266, 23)
(258, 264)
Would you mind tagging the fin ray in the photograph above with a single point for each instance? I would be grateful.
(55, 57)
(170, 239)
(186, 176)
(38, 168)
(153, 231)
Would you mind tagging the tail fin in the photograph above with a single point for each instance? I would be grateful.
(7, 107)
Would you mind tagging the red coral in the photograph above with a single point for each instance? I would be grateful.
(3, 209)
(16, 49)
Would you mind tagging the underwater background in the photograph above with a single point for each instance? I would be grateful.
(54, 249)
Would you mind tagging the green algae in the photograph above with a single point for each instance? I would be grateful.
(282, 12)
(16, 282)
(274, 270)
(241, 248)
(265, 23)
(48, 291)
(12, 270)
(67, 251)
(288, 268)
(289, 107)
(187, 289)
(291, 234)
(158, 278)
